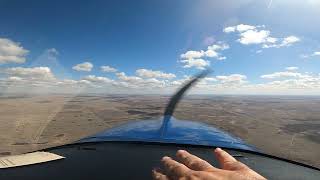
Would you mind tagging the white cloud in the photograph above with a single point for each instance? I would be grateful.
(192, 55)
(35, 73)
(28, 80)
(229, 29)
(222, 58)
(240, 28)
(138, 82)
(284, 74)
(212, 52)
(271, 40)
(304, 56)
(97, 79)
(86, 66)
(210, 79)
(108, 69)
(316, 53)
(42, 80)
(122, 76)
(11, 52)
(50, 58)
(287, 41)
(218, 46)
(15, 78)
(146, 73)
(249, 34)
(232, 79)
(292, 68)
(290, 40)
(254, 37)
(244, 27)
(197, 63)
(291, 82)
(196, 58)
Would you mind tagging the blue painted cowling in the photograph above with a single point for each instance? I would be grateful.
(176, 131)
(171, 130)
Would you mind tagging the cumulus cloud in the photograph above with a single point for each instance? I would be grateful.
(146, 73)
(196, 58)
(211, 52)
(85, 66)
(15, 78)
(50, 58)
(229, 29)
(97, 79)
(108, 69)
(42, 79)
(290, 40)
(27, 80)
(35, 73)
(192, 54)
(254, 37)
(212, 79)
(232, 79)
(284, 74)
(291, 82)
(240, 28)
(259, 51)
(122, 76)
(11, 52)
(138, 82)
(249, 34)
(197, 63)
(316, 53)
(292, 68)
(287, 41)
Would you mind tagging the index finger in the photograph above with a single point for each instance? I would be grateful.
(156, 175)
(227, 161)
(223, 156)
(193, 161)
(174, 169)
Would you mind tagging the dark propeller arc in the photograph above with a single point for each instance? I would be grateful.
(179, 94)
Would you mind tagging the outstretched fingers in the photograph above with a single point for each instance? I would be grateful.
(193, 162)
(174, 169)
(193, 167)
(226, 161)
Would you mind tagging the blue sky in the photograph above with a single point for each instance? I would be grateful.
(154, 36)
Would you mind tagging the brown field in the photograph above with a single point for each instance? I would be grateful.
(287, 127)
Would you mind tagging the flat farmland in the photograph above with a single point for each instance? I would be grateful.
(285, 126)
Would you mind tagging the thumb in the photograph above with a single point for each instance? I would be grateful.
(228, 162)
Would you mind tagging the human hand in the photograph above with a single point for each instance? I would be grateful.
(192, 167)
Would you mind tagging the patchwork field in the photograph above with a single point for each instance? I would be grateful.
(285, 126)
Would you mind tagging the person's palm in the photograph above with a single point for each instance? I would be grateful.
(191, 167)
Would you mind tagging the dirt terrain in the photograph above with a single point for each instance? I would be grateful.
(285, 126)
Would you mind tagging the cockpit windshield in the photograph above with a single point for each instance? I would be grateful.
(69, 70)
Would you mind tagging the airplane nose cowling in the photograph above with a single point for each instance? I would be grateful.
(175, 131)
